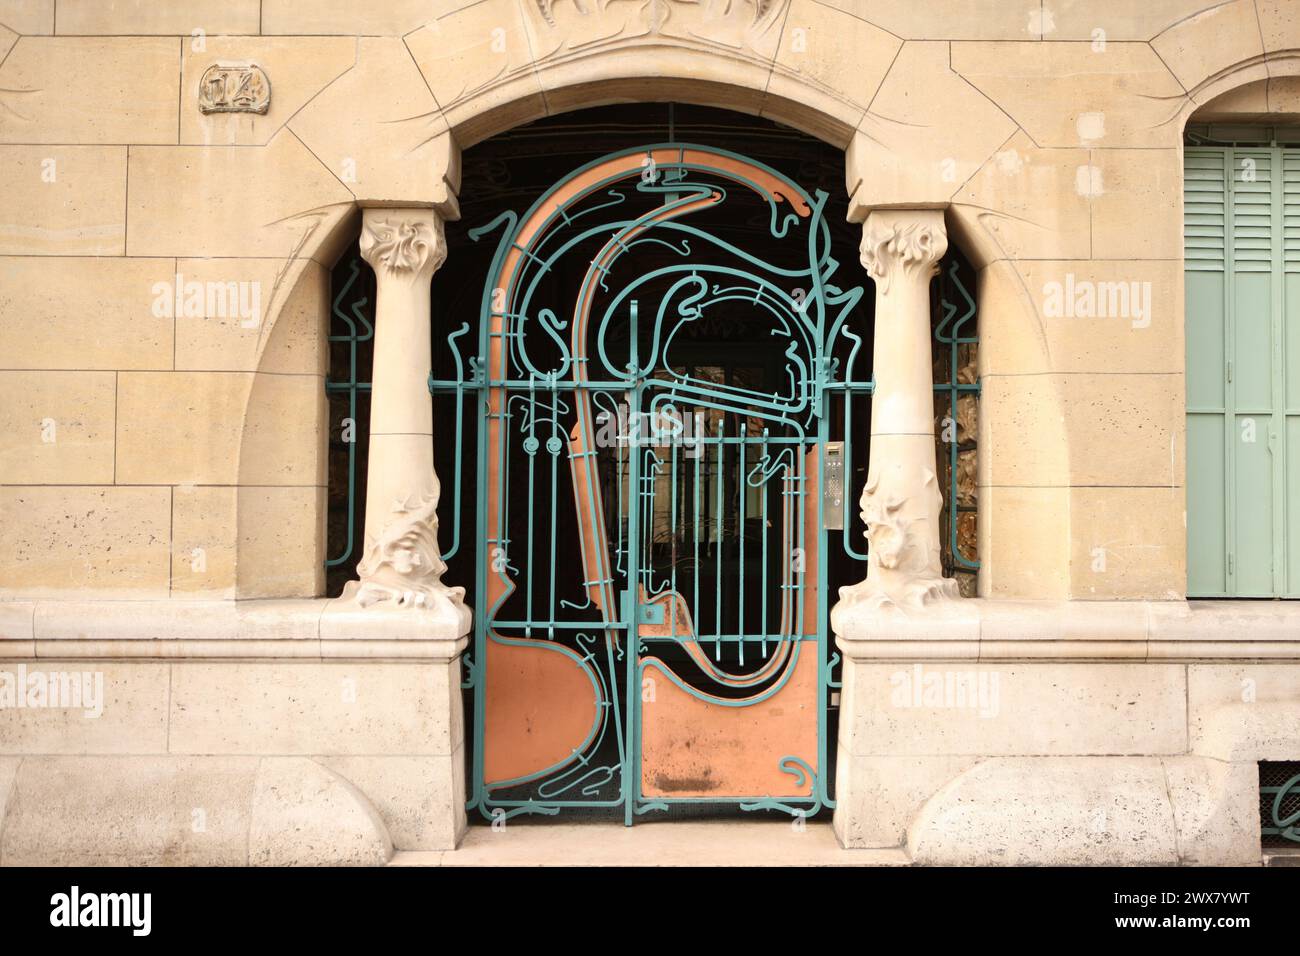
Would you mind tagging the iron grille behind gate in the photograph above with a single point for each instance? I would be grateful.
(1279, 803)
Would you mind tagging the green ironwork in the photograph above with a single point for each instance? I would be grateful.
(956, 329)
(712, 457)
(744, 456)
(353, 316)
(1281, 806)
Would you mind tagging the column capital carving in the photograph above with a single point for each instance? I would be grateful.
(403, 243)
(904, 243)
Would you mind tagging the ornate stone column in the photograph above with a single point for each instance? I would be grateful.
(901, 501)
(401, 567)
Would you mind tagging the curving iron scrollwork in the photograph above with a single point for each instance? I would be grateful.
(651, 592)
(637, 422)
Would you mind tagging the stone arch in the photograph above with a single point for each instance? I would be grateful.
(494, 66)
(1245, 87)
(615, 77)
(1225, 45)
(1243, 95)
(488, 67)
(283, 442)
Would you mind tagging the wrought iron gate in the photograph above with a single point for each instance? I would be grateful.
(637, 430)
(653, 432)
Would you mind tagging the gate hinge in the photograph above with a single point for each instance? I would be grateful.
(646, 613)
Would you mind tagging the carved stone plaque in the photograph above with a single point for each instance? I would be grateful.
(234, 89)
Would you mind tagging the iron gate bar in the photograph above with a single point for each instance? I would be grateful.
(954, 340)
(351, 387)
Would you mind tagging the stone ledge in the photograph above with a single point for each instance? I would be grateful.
(984, 629)
(974, 629)
(312, 629)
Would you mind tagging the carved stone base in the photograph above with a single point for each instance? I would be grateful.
(433, 612)
(930, 614)
(919, 608)
(402, 570)
(437, 631)
(906, 592)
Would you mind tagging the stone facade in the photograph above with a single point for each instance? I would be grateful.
(180, 178)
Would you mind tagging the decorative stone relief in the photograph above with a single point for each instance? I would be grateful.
(403, 247)
(402, 565)
(234, 89)
(723, 21)
(748, 27)
(903, 535)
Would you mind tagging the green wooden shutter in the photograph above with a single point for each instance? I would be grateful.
(1242, 252)
(1290, 326)
(1204, 253)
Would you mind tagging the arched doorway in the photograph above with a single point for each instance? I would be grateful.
(659, 340)
(661, 652)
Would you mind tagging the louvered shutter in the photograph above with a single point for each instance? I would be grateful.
(1291, 363)
(1242, 251)
(1204, 228)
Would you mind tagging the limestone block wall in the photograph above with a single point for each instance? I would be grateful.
(163, 370)
(188, 448)
(265, 735)
(164, 307)
(1110, 734)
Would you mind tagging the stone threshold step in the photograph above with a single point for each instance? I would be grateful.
(665, 843)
